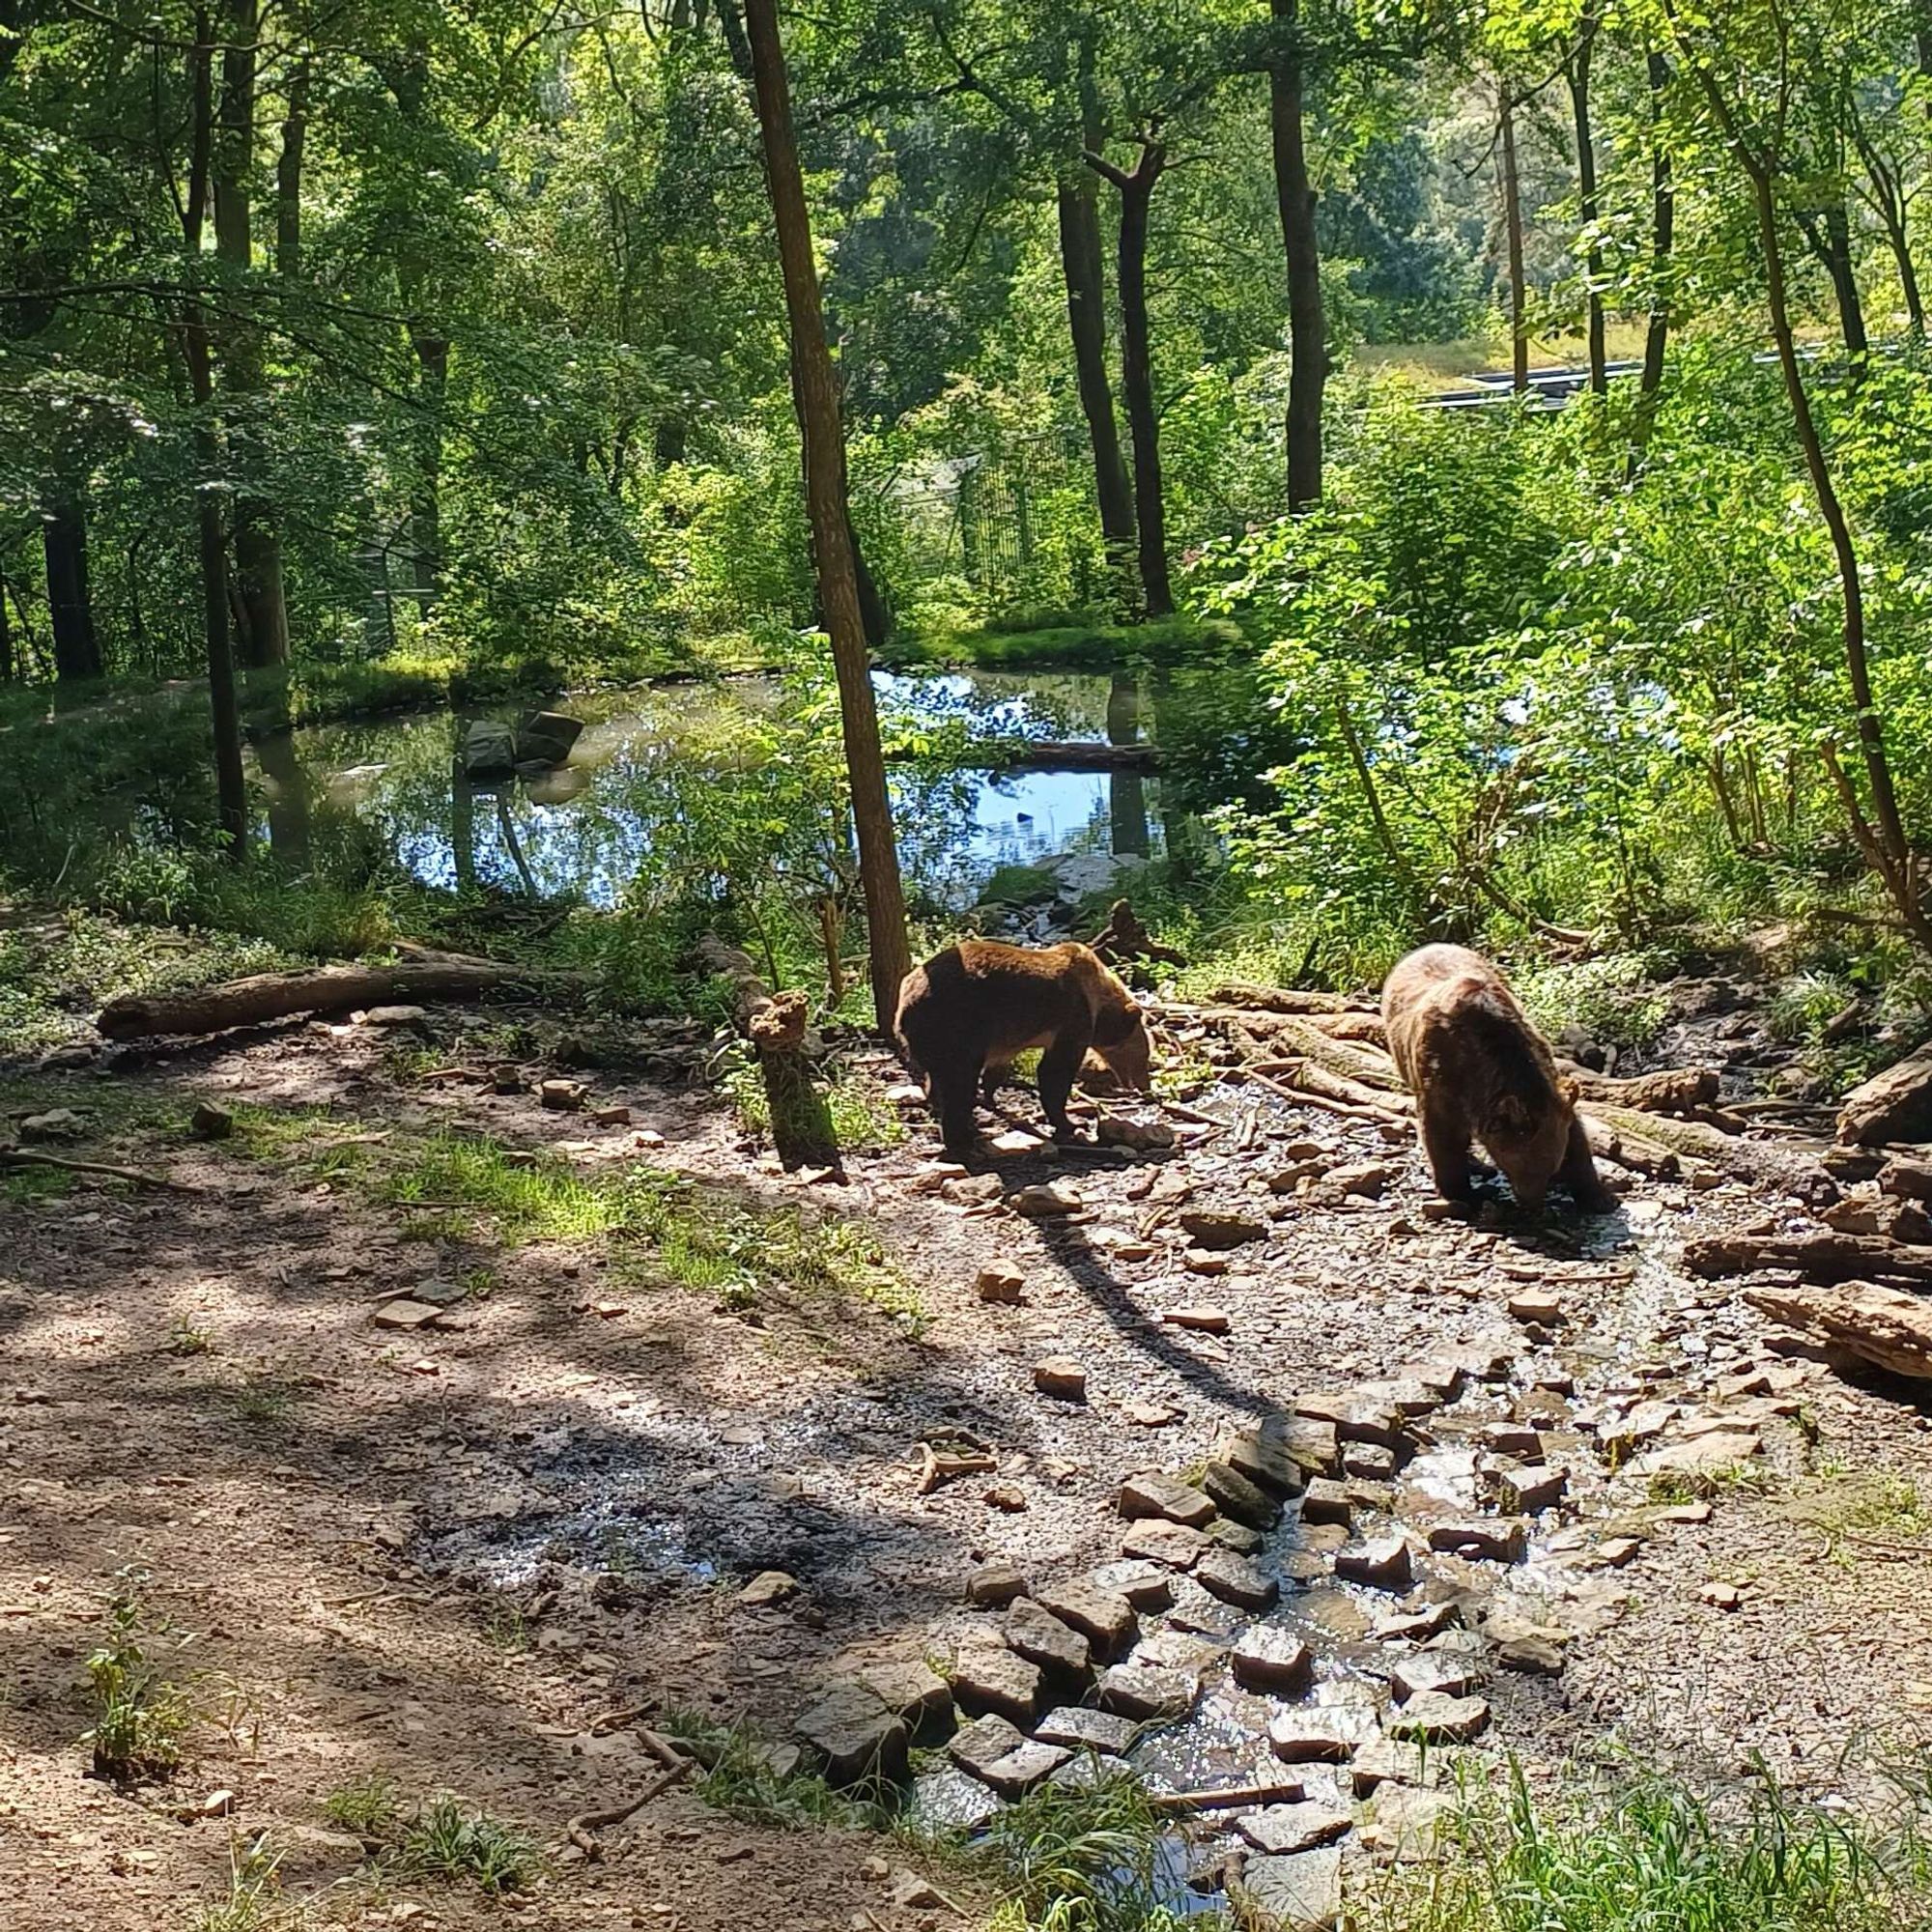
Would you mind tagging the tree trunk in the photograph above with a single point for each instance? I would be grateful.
(1513, 235)
(816, 388)
(231, 790)
(288, 178)
(1127, 788)
(5, 638)
(1307, 329)
(1136, 189)
(802, 1131)
(1083, 270)
(1662, 234)
(1578, 73)
(1845, 285)
(70, 601)
(264, 625)
(426, 494)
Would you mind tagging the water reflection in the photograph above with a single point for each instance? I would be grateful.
(391, 791)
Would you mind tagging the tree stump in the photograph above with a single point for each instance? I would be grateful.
(801, 1122)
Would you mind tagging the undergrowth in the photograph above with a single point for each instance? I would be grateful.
(141, 1717)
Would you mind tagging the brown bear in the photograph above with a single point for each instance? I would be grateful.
(966, 1012)
(1480, 1071)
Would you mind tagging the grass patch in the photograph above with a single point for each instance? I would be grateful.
(367, 1806)
(1069, 646)
(528, 1198)
(140, 1717)
(264, 1402)
(445, 1842)
(745, 1778)
(1612, 998)
(24, 1187)
(254, 1902)
(862, 1121)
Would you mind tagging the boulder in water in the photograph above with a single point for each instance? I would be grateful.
(489, 750)
(544, 738)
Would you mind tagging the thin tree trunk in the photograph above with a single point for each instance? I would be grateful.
(817, 392)
(1889, 197)
(1084, 271)
(1662, 237)
(288, 178)
(1513, 235)
(70, 598)
(5, 638)
(426, 495)
(1845, 285)
(1307, 329)
(231, 788)
(1578, 73)
(1136, 189)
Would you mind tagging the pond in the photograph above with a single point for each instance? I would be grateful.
(390, 790)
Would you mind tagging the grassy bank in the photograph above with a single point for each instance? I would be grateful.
(1067, 646)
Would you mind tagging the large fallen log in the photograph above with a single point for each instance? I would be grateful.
(1878, 1324)
(1285, 999)
(1896, 1105)
(1757, 1163)
(1305, 1077)
(319, 989)
(1630, 1151)
(1828, 1258)
(1671, 1090)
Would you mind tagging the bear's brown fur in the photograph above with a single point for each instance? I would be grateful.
(1481, 1072)
(969, 1010)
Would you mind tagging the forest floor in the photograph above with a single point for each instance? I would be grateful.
(472, 1557)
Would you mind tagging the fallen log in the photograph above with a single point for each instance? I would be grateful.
(1757, 1163)
(1307, 1077)
(1672, 1090)
(1879, 1324)
(1125, 938)
(1896, 1105)
(318, 989)
(1285, 999)
(1630, 1151)
(1827, 1259)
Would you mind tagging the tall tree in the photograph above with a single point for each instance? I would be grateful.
(1295, 200)
(816, 387)
(1577, 69)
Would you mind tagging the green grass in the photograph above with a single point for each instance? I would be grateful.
(367, 1806)
(861, 1120)
(446, 1842)
(254, 1900)
(740, 1779)
(1075, 645)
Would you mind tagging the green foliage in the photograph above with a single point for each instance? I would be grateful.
(364, 1805)
(254, 1901)
(746, 1780)
(446, 1841)
(141, 1719)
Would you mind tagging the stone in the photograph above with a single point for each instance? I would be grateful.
(1617, 1550)
(1286, 1180)
(1293, 1828)
(1700, 1457)
(1537, 1304)
(999, 1281)
(911, 1690)
(1271, 1660)
(1368, 1461)
(1407, 1824)
(1721, 1596)
(1382, 1564)
(1155, 1540)
(1354, 1417)
(1368, 1178)
(1146, 1586)
(1194, 1316)
(1510, 1438)
(1023, 1767)
(1235, 1536)
(1428, 1672)
(1044, 1200)
(1432, 1717)
(1103, 1617)
(853, 1736)
(404, 1312)
(210, 1121)
(1478, 1361)
(1408, 1396)
(397, 1019)
(1389, 1761)
(1152, 1415)
(561, 1097)
(1490, 1539)
(1219, 1232)
(1533, 1656)
(1529, 1492)
(1300, 1891)
(1087, 1771)
(57, 1123)
(768, 1588)
(972, 1190)
(1892, 1105)
(1043, 1639)
(1147, 1691)
(953, 1800)
(994, 1586)
(616, 1114)
(990, 1677)
(1324, 1540)
(1644, 1423)
(1162, 1495)
(1237, 1579)
(1006, 1497)
(544, 737)
(1204, 1262)
(1322, 1733)
(1325, 1500)
(1294, 1442)
(217, 1805)
(1014, 1139)
(1235, 1497)
(489, 750)
(984, 1741)
(1414, 1626)
(1142, 1136)
(1077, 1728)
(1062, 1378)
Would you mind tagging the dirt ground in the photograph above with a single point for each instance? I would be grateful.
(470, 1558)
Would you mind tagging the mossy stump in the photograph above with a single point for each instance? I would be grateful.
(801, 1122)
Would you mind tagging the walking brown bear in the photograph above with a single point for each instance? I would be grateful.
(969, 1010)
(1480, 1071)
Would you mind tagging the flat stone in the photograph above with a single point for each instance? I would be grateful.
(1062, 1378)
(1721, 1596)
(1382, 1564)
(1024, 1767)
(1014, 1139)
(1617, 1550)
(983, 1742)
(1414, 1626)
(1537, 1304)
(1152, 1415)
(1270, 1659)
(1237, 1579)
(1445, 1379)
(1216, 1231)
(1103, 1617)
(999, 1281)
(954, 1799)
(1354, 1417)
(1235, 1536)
(769, 1587)
(1300, 1891)
(1644, 1423)
(616, 1114)
(1510, 1438)
(1405, 1395)
(1322, 1733)
(1163, 1496)
(404, 1312)
(1044, 1200)
(911, 1689)
(56, 1123)
(1286, 1450)
(1479, 1361)
(1146, 1586)
(1369, 1178)
(395, 1019)
(1293, 1828)
(1530, 1491)
(562, 1096)
(1408, 1824)
(1369, 1461)
(1326, 1500)
(989, 1677)
(1235, 1496)
(995, 1586)
(1492, 1539)
(1700, 1456)
(1087, 1771)
(1324, 1539)
(1429, 1671)
(1534, 1655)
(853, 1736)
(1155, 1540)
(1078, 1728)
(1203, 1260)
(1389, 1761)
(971, 1190)
(1041, 1638)
(1432, 1717)
(1207, 1320)
(1145, 1692)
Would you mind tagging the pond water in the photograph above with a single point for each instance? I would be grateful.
(391, 789)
